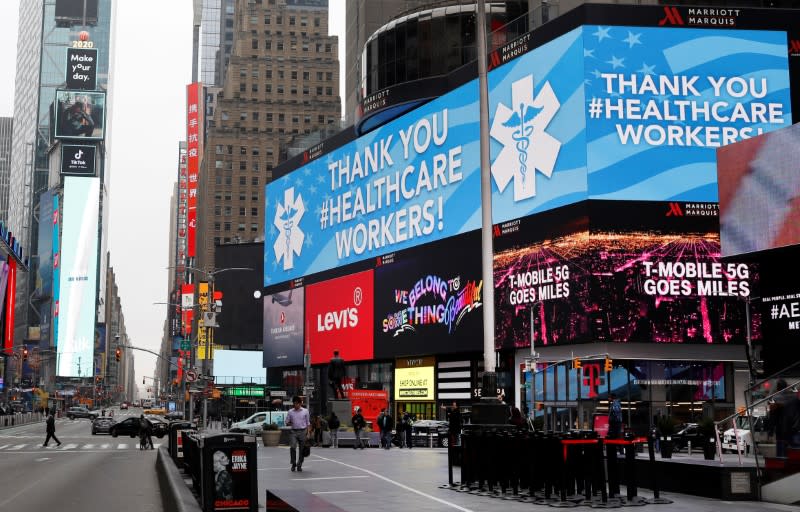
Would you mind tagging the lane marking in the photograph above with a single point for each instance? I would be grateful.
(69, 446)
(398, 484)
(1, 447)
(105, 446)
(18, 447)
(332, 477)
(42, 459)
(333, 492)
(122, 446)
(88, 446)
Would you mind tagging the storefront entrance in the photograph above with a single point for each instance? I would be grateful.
(418, 410)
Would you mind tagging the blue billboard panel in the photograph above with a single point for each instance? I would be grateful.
(409, 182)
(538, 130)
(78, 278)
(659, 101)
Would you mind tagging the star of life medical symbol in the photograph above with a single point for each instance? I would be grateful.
(287, 220)
(527, 147)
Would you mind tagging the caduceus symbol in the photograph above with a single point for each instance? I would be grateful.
(288, 223)
(522, 119)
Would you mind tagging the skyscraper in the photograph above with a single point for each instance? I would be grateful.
(281, 81)
(6, 125)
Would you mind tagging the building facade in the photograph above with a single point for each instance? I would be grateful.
(281, 81)
(6, 127)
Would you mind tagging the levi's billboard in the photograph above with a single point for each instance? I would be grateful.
(339, 315)
(622, 113)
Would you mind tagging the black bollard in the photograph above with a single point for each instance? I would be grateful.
(613, 470)
(651, 451)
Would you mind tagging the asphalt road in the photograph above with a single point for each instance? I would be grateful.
(85, 473)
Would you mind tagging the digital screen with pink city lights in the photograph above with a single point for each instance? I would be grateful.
(620, 272)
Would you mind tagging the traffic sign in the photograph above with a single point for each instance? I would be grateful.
(185, 345)
(191, 375)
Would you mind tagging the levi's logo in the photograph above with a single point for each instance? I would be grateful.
(672, 17)
(794, 47)
(674, 209)
(335, 320)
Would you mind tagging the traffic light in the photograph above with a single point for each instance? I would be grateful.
(24, 353)
(142, 381)
(609, 365)
(576, 363)
(118, 354)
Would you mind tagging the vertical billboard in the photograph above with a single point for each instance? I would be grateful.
(80, 115)
(194, 147)
(339, 316)
(44, 268)
(56, 229)
(428, 299)
(283, 328)
(78, 277)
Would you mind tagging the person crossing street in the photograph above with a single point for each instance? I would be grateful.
(51, 430)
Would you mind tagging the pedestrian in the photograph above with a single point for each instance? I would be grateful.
(406, 430)
(333, 425)
(298, 419)
(51, 430)
(386, 424)
(614, 417)
(145, 433)
(379, 423)
(336, 373)
(358, 427)
(516, 418)
(316, 429)
(454, 425)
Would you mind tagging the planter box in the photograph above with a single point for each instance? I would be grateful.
(270, 437)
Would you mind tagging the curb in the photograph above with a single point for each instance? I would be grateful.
(175, 494)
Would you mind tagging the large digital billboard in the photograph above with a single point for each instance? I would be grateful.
(622, 113)
(428, 299)
(80, 115)
(630, 272)
(283, 328)
(760, 175)
(659, 101)
(78, 278)
(339, 316)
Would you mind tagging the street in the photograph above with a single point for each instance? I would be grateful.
(85, 473)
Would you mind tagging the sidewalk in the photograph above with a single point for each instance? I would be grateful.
(402, 480)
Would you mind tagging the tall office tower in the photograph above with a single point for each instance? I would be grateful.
(281, 81)
(6, 125)
(46, 29)
(363, 18)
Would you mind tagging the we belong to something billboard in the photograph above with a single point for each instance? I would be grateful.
(622, 113)
(78, 277)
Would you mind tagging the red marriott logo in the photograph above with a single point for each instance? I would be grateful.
(674, 209)
(672, 17)
(794, 47)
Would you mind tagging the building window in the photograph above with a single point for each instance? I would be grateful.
(327, 48)
(227, 226)
(242, 165)
(255, 181)
(218, 164)
(267, 19)
(227, 195)
(329, 76)
(227, 210)
(217, 226)
(268, 88)
(219, 180)
(242, 87)
(216, 240)
(281, 74)
(306, 90)
(243, 116)
(306, 75)
(256, 166)
(294, 75)
(230, 149)
(268, 73)
(242, 196)
(220, 149)
(256, 150)
(228, 180)
(240, 227)
(254, 212)
(254, 197)
(291, 20)
(295, 119)
(254, 44)
(255, 118)
(254, 88)
(218, 196)
(242, 211)
(329, 91)
(319, 75)
(269, 117)
(319, 91)
(242, 180)
(293, 90)
(281, 117)
(268, 45)
(227, 239)
(321, 119)
(280, 88)
(218, 210)
(254, 227)
(242, 150)
(316, 22)
(280, 46)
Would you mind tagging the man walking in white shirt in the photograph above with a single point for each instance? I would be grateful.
(298, 419)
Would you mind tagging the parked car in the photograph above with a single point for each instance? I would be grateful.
(174, 415)
(252, 425)
(686, 433)
(160, 427)
(123, 406)
(102, 424)
(422, 429)
(746, 428)
(81, 412)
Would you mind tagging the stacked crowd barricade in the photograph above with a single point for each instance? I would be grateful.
(21, 418)
(558, 469)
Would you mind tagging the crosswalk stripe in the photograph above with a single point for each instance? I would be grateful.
(69, 446)
(17, 447)
(156, 445)
(88, 446)
(1, 447)
(122, 446)
(105, 446)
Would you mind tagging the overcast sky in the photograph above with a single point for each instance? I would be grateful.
(152, 66)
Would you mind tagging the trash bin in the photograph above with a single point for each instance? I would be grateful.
(229, 472)
(175, 442)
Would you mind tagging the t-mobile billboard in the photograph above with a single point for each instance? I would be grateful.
(78, 279)
(339, 315)
(283, 328)
(623, 113)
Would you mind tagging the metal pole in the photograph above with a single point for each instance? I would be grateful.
(487, 250)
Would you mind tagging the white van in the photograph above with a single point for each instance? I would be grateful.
(252, 425)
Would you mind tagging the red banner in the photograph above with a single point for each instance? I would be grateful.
(194, 130)
(11, 295)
